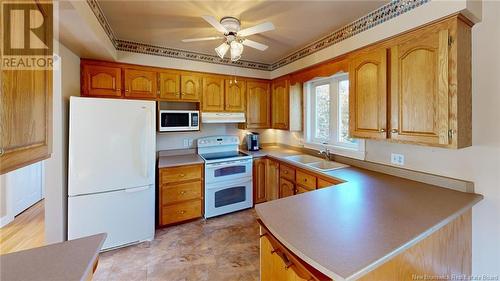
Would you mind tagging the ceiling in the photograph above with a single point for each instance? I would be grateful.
(298, 23)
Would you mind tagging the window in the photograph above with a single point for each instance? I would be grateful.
(327, 117)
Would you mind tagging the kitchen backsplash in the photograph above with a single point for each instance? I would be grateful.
(180, 140)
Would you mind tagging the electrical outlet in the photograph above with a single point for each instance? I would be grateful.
(185, 142)
(397, 159)
(190, 142)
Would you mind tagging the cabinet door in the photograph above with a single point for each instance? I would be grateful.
(170, 85)
(419, 89)
(25, 112)
(259, 180)
(140, 83)
(213, 94)
(235, 95)
(101, 81)
(190, 87)
(280, 105)
(287, 188)
(273, 266)
(368, 95)
(272, 180)
(258, 105)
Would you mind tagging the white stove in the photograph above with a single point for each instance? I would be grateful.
(228, 175)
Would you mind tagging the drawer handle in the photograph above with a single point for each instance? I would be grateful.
(182, 212)
(182, 175)
(182, 192)
(286, 172)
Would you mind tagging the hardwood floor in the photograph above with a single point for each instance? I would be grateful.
(222, 248)
(25, 232)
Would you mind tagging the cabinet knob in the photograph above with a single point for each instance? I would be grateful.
(182, 192)
(394, 131)
(182, 212)
(382, 130)
(182, 175)
(286, 172)
(126, 90)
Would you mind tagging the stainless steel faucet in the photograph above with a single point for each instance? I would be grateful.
(326, 152)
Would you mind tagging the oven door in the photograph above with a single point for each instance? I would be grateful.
(171, 120)
(223, 198)
(227, 171)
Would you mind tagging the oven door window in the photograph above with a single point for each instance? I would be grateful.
(229, 171)
(230, 196)
(175, 119)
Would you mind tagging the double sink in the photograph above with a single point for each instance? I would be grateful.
(315, 162)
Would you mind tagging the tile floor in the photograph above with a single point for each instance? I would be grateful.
(221, 248)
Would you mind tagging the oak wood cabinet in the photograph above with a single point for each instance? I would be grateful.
(180, 194)
(140, 83)
(259, 180)
(272, 179)
(213, 94)
(287, 188)
(258, 105)
(368, 95)
(169, 83)
(190, 87)
(25, 111)
(235, 95)
(101, 81)
(426, 89)
(280, 105)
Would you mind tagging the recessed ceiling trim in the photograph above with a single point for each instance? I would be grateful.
(380, 15)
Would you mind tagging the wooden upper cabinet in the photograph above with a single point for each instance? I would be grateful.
(280, 105)
(258, 105)
(25, 111)
(368, 95)
(213, 94)
(101, 81)
(235, 95)
(140, 83)
(190, 87)
(170, 85)
(420, 93)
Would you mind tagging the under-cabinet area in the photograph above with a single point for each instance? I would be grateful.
(249, 140)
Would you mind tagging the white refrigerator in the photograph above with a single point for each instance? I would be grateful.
(111, 170)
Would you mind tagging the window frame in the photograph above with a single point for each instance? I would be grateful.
(357, 150)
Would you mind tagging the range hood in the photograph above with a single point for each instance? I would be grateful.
(223, 117)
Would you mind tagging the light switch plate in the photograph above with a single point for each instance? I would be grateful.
(397, 159)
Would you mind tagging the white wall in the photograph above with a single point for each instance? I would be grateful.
(479, 163)
(66, 84)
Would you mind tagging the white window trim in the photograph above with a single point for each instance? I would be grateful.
(354, 152)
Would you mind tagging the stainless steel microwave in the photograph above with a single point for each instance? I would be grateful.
(179, 120)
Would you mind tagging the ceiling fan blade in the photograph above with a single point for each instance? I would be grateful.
(202, 39)
(211, 20)
(255, 45)
(263, 27)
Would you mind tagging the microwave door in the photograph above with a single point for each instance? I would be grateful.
(174, 121)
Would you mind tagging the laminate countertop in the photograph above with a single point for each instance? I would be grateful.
(349, 229)
(71, 260)
(180, 157)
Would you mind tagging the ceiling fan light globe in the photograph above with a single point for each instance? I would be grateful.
(222, 50)
(236, 50)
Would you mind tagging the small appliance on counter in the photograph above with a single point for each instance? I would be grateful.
(253, 141)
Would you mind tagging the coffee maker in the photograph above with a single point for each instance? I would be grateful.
(253, 141)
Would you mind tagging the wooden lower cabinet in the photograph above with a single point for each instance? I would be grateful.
(321, 183)
(180, 194)
(259, 180)
(287, 188)
(272, 179)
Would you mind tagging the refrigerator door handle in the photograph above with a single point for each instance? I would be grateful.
(137, 189)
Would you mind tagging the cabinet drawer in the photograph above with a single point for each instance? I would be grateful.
(324, 183)
(180, 192)
(182, 173)
(287, 172)
(302, 189)
(306, 180)
(180, 212)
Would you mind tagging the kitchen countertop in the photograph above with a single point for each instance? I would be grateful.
(70, 260)
(348, 230)
(172, 158)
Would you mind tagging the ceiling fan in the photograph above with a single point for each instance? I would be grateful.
(234, 37)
